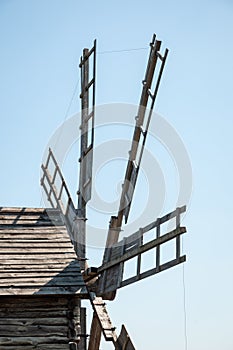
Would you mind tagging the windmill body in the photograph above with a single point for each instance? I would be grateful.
(43, 263)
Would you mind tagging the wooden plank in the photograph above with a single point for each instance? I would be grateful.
(30, 223)
(82, 345)
(27, 217)
(66, 251)
(33, 230)
(45, 290)
(19, 341)
(51, 229)
(35, 244)
(37, 250)
(24, 303)
(37, 266)
(39, 281)
(28, 210)
(103, 318)
(72, 265)
(39, 256)
(38, 236)
(38, 274)
(25, 322)
(34, 313)
(95, 334)
(35, 330)
(33, 347)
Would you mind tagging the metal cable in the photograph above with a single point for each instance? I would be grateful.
(122, 50)
(185, 312)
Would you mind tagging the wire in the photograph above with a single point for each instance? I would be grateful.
(72, 98)
(122, 50)
(185, 312)
(68, 110)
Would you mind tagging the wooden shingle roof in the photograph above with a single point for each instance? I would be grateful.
(36, 254)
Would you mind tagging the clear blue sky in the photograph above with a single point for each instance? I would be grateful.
(41, 42)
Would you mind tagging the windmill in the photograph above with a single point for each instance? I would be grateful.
(103, 282)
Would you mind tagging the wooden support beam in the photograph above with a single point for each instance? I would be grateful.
(95, 334)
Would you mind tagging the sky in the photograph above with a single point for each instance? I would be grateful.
(190, 306)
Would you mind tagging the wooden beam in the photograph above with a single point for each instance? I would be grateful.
(95, 334)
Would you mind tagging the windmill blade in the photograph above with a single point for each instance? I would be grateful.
(87, 125)
(141, 128)
(54, 186)
(134, 246)
(87, 142)
(101, 324)
(124, 342)
(135, 157)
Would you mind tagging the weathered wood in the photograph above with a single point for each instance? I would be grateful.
(38, 274)
(50, 229)
(95, 334)
(52, 281)
(123, 341)
(102, 315)
(37, 259)
(28, 210)
(153, 271)
(30, 223)
(19, 341)
(27, 217)
(44, 290)
(82, 334)
(147, 246)
(36, 330)
(37, 250)
(35, 244)
(33, 347)
(24, 322)
(24, 267)
(40, 322)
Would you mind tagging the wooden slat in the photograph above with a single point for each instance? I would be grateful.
(30, 223)
(33, 347)
(81, 291)
(41, 281)
(37, 257)
(28, 210)
(38, 274)
(25, 251)
(37, 330)
(38, 236)
(16, 341)
(34, 244)
(58, 267)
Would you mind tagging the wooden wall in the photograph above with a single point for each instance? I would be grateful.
(39, 322)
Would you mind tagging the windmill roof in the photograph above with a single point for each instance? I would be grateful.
(36, 254)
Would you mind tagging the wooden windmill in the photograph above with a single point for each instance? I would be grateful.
(103, 282)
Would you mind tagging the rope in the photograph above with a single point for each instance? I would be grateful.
(122, 50)
(185, 312)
